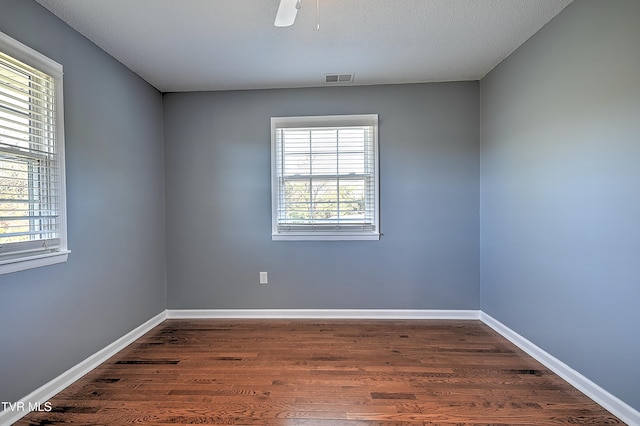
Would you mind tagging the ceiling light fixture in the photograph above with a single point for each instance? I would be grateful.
(287, 12)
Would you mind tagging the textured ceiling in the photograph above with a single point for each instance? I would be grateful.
(182, 45)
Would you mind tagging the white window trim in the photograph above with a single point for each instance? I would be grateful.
(332, 235)
(39, 61)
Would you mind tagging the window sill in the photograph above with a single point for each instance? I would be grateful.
(319, 236)
(36, 261)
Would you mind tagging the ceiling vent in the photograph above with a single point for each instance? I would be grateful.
(338, 78)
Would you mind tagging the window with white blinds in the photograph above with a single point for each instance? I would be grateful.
(325, 178)
(32, 209)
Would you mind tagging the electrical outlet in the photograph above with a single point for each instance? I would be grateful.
(264, 278)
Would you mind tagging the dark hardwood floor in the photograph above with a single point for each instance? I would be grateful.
(286, 372)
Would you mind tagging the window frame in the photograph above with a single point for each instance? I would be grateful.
(23, 260)
(311, 232)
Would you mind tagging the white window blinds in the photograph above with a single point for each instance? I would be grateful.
(31, 160)
(325, 177)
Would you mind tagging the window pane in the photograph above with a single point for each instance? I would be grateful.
(14, 205)
(324, 196)
(352, 201)
(351, 163)
(295, 206)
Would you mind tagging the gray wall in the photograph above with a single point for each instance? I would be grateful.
(54, 317)
(218, 202)
(560, 192)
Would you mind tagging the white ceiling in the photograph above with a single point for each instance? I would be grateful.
(183, 45)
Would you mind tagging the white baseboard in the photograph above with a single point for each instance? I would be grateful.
(48, 390)
(400, 314)
(614, 405)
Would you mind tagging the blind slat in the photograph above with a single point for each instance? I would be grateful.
(29, 246)
(22, 122)
(37, 119)
(36, 103)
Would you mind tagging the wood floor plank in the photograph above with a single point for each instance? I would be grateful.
(295, 372)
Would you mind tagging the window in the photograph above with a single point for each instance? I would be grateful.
(324, 174)
(32, 187)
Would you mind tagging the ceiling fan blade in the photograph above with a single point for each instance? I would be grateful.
(287, 12)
